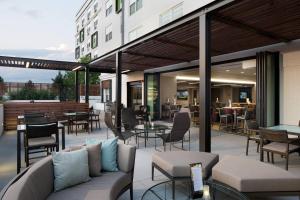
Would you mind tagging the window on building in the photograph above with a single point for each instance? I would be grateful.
(77, 53)
(89, 56)
(82, 22)
(94, 40)
(118, 5)
(81, 35)
(135, 5)
(96, 7)
(108, 33)
(95, 24)
(108, 7)
(77, 28)
(77, 40)
(88, 46)
(89, 15)
(135, 33)
(88, 31)
(82, 50)
(106, 91)
(171, 14)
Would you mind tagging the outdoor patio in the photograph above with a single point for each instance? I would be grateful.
(222, 143)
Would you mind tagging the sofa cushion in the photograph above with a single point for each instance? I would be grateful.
(105, 187)
(70, 168)
(248, 175)
(177, 163)
(35, 184)
(126, 157)
(94, 159)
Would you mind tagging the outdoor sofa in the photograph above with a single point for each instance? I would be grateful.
(256, 179)
(37, 181)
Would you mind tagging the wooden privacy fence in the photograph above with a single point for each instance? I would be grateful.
(13, 109)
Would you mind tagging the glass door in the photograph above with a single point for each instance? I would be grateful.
(134, 95)
(152, 89)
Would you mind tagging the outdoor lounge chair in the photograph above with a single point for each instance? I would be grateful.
(181, 126)
(81, 119)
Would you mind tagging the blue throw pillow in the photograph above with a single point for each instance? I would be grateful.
(70, 168)
(108, 152)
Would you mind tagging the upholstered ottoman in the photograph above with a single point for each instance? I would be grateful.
(253, 176)
(176, 164)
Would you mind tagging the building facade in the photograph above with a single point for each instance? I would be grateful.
(103, 25)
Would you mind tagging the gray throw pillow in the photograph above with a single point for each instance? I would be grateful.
(94, 159)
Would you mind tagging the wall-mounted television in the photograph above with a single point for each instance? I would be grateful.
(182, 95)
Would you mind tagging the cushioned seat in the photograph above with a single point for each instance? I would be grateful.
(106, 186)
(247, 175)
(280, 147)
(41, 141)
(176, 163)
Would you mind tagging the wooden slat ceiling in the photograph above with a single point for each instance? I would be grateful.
(246, 24)
(7, 61)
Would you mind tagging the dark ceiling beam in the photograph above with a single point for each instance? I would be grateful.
(130, 63)
(156, 57)
(238, 24)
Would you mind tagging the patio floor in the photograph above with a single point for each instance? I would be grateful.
(222, 144)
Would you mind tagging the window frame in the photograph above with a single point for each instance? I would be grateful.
(108, 10)
(77, 52)
(108, 35)
(135, 7)
(119, 5)
(93, 46)
(81, 35)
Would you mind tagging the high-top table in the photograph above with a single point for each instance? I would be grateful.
(21, 129)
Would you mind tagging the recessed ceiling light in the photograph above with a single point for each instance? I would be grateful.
(227, 70)
(242, 72)
(254, 73)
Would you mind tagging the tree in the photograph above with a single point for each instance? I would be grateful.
(1, 80)
(58, 82)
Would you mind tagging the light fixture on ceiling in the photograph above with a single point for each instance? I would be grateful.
(227, 70)
(217, 80)
(77, 68)
(254, 74)
(247, 64)
(187, 78)
(27, 64)
(242, 72)
(125, 71)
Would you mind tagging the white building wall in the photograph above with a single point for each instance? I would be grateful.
(290, 87)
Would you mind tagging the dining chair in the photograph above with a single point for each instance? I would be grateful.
(95, 117)
(279, 143)
(242, 118)
(181, 125)
(39, 138)
(252, 131)
(81, 119)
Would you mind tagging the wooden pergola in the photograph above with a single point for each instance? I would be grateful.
(221, 28)
(31, 63)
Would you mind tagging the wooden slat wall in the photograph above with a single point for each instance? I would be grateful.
(12, 110)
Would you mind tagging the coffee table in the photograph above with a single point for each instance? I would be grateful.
(217, 191)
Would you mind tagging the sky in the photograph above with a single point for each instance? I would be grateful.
(37, 29)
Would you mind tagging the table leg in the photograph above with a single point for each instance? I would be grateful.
(18, 151)
(146, 135)
(63, 140)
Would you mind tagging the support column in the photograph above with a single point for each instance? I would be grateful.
(205, 84)
(77, 95)
(118, 89)
(267, 88)
(87, 83)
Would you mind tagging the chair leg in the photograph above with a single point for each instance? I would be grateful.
(247, 147)
(173, 189)
(268, 156)
(131, 191)
(272, 158)
(152, 173)
(287, 162)
(257, 148)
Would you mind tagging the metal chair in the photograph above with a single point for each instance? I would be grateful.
(95, 117)
(225, 116)
(279, 143)
(181, 126)
(39, 137)
(81, 119)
